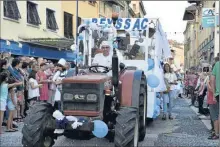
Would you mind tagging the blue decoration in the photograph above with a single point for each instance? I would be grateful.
(158, 102)
(150, 63)
(87, 22)
(153, 81)
(80, 37)
(61, 124)
(100, 129)
(115, 45)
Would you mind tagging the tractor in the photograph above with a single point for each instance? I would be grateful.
(119, 100)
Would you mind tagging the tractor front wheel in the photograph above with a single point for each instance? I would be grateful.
(127, 128)
(34, 130)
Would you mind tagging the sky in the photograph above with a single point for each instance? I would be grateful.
(170, 14)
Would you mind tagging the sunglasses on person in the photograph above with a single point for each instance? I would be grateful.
(105, 47)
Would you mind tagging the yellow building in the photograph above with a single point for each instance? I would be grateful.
(86, 9)
(177, 52)
(34, 28)
(21, 23)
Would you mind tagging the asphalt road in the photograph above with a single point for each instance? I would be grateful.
(185, 130)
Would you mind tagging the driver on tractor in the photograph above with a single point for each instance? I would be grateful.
(105, 58)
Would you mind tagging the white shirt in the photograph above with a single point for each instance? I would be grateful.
(33, 92)
(171, 77)
(102, 60)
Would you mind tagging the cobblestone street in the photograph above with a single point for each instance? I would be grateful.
(186, 129)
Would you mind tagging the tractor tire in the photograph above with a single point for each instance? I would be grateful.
(127, 128)
(34, 133)
(142, 108)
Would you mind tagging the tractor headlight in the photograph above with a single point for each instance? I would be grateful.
(79, 97)
(91, 97)
(68, 96)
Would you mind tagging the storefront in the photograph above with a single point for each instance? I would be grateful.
(33, 49)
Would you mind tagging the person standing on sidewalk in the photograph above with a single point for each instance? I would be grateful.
(213, 109)
(215, 78)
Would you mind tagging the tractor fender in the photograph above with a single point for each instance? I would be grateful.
(130, 81)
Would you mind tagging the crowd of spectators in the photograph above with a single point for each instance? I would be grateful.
(204, 86)
(25, 80)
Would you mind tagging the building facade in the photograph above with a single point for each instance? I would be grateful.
(30, 27)
(35, 19)
(199, 41)
(138, 8)
(177, 50)
(107, 7)
(190, 45)
(86, 9)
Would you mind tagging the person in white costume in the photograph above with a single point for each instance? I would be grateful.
(57, 79)
(105, 58)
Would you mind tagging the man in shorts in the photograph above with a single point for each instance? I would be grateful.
(215, 78)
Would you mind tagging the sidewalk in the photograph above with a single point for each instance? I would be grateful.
(186, 129)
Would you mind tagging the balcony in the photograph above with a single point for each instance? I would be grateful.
(117, 2)
(196, 2)
(190, 13)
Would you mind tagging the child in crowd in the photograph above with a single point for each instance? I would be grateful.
(4, 95)
(12, 106)
(33, 89)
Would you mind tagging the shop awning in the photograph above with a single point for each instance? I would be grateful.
(59, 43)
(190, 13)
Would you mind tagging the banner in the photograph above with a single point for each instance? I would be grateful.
(208, 17)
(123, 23)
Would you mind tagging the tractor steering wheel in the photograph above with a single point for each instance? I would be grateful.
(95, 69)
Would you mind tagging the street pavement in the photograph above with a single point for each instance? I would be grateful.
(187, 129)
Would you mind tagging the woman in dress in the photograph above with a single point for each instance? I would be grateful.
(42, 79)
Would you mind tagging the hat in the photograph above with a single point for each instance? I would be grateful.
(62, 62)
(106, 43)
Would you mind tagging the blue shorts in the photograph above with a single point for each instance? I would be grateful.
(10, 105)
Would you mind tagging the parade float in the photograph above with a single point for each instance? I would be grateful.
(96, 104)
(141, 43)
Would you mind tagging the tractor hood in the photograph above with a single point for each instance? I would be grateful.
(90, 78)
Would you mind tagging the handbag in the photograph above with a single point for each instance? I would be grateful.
(167, 85)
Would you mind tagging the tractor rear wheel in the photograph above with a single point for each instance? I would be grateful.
(34, 130)
(142, 108)
(127, 128)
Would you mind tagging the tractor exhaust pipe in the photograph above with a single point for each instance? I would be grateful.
(115, 72)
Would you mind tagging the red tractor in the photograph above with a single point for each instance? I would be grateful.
(120, 101)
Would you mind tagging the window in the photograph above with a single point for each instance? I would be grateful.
(104, 8)
(32, 14)
(213, 35)
(134, 7)
(92, 2)
(68, 25)
(11, 9)
(79, 21)
(51, 20)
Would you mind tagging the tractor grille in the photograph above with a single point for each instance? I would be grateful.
(81, 106)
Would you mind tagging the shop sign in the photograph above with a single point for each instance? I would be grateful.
(208, 17)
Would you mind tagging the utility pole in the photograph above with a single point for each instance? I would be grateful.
(77, 48)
